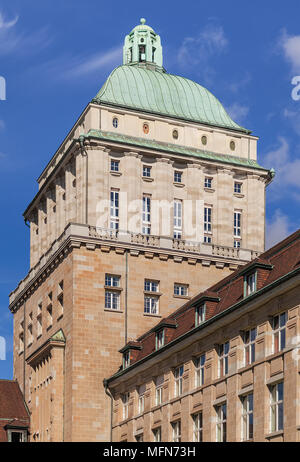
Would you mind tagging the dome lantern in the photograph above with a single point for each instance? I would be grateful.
(142, 46)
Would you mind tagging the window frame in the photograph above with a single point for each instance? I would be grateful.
(177, 218)
(181, 286)
(178, 381)
(200, 313)
(208, 182)
(114, 209)
(249, 346)
(112, 296)
(146, 214)
(177, 176)
(176, 431)
(275, 407)
(151, 304)
(160, 339)
(114, 165)
(223, 359)
(198, 427)
(221, 423)
(250, 283)
(246, 415)
(199, 368)
(280, 331)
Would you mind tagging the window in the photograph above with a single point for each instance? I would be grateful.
(177, 177)
(207, 224)
(159, 390)
(49, 311)
(278, 337)
(125, 401)
(199, 371)
(160, 339)
(176, 430)
(175, 134)
(157, 435)
(112, 280)
(177, 219)
(199, 314)
(39, 321)
(204, 140)
(178, 373)
(60, 298)
(17, 436)
(237, 243)
(114, 209)
(141, 400)
(237, 187)
(276, 407)
(114, 165)
(247, 417)
(221, 423)
(146, 215)
(151, 305)
(181, 290)
(112, 300)
(237, 224)
(146, 128)
(115, 122)
(198, 427)
(250, 284)
(223, 359)
(249, 346)
(21, 337)
(150, 286)
(208, 182)
(126, 359)
(30, 336)
(139, 438)
(147, 171)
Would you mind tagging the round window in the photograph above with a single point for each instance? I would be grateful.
(232, 145)
(204, 140)
(145, 128)
(115, 122)
(175, 134)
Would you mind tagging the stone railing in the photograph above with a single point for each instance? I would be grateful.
(83, 233)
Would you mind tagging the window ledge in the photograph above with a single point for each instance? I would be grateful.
(115, 173)
(274, 434)
(210, 190)
(112, 310)
(153, 315)
(149, 292)
(179, 185)
(113, 288)
(186, 297)
(239, 195)
(147, 178)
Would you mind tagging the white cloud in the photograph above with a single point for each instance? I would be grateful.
(7, 24)
(237, 112)
(287, 171)
(290, 45)
(198, 50)
(294, 118)
(277, 228)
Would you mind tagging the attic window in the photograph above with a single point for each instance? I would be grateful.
(200, 314)
(126, 359)
(142, 53)
(160, 339)
(249, 284)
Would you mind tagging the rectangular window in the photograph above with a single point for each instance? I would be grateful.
(237, 224)
(177, 177)
(221, 423)
(207, 225)
(160, 339)
(39, 321)
(159, 390)
(207, 239)
(208, 182)
(237, 187)
(198, 428)
(29, 334)
(125, 401)
(150, 286)
(157, 435)
(276, 407)
(199, 314)
(126, 359)
(176, 430)
(21, 337)
(199, 371)
(112, 300)
(146, 171)
(49, 311)
(237, 243)
(112, 280)
(247, 417)
(151, 304)
(181, 289)
(279, 331)
(146, 215)
(60, 298)
(141, 400)
(177, 219)
(250, 284)
(178, 381)
(114, 209)
(114, 165)
(249, 346)
(223, 359)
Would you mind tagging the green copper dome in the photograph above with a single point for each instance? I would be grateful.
(139, 88)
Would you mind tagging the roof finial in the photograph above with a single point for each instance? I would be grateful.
(142, 20)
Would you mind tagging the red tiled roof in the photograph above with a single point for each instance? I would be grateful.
(276, 262)
(12, 407)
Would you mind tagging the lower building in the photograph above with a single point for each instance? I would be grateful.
(223, 367)
(14, 415)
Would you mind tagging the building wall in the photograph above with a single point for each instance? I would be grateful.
(268, 369)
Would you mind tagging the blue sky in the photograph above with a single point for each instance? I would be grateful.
(56, 55)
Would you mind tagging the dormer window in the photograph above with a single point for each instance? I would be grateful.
(142, 53)
(249, 284)
(199, 314)
(160, 339)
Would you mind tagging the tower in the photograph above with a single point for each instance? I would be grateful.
(153, 195)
